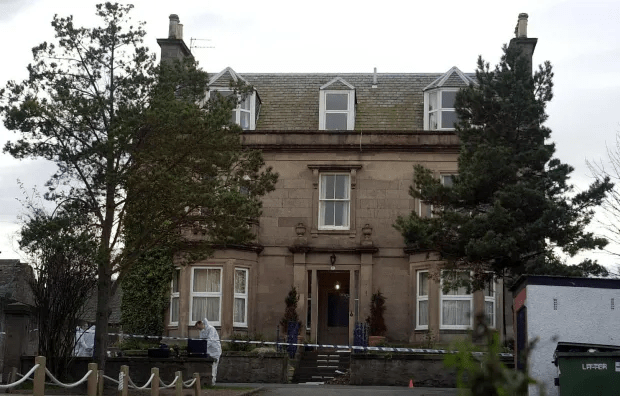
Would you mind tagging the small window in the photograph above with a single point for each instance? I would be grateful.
(422, 300)
(174, 298)
(206, 296)
(426, 210)
(240, 314)
(447, 180)
(337, 110)
(334, 201)
(440, 112)
(456, 306)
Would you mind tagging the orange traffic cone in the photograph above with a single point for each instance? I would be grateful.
(411, 383)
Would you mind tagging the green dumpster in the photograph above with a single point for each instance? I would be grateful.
(587, 369)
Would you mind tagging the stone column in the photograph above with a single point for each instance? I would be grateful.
(315, 306)
(228, 297)
(300, 281)
(365, 284)
(352, 287)
(185, 289)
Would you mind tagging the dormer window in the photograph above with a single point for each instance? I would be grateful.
(337, 106)
(440, 113)
(439, 97)
(246, 113)
(242, 114)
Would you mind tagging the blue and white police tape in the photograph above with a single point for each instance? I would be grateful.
(327, 346)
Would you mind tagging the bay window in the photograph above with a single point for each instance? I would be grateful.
(240, 309)
(489, 304)
(174, 298)
(456, 305)
(439, 109)
(242, 114)
(206, 295)
(422, 301)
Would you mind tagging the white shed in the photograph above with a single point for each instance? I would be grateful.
(556, 309)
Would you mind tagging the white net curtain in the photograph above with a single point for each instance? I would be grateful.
(239, 314)
(207, 294)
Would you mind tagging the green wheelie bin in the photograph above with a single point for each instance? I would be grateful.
(587, 369)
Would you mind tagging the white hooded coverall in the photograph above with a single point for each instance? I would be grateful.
(214, 348)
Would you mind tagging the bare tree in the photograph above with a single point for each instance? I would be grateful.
(61, 249)
(609, 219)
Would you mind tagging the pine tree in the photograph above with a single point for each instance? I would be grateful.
(137, 145)
(511, 205)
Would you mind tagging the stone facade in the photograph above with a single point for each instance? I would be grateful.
(337, 267)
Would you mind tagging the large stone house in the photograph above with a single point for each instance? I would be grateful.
(344, 145)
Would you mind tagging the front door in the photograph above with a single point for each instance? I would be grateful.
(334, 307)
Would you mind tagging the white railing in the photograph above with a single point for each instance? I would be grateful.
(39, 372)
(95, 380)
(19, 382)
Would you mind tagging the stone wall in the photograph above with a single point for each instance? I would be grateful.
(425, 370)
(233, 367)
(249, 367)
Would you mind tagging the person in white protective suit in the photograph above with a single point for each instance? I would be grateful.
(214, 347)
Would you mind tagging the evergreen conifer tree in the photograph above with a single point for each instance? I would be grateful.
(511, 207)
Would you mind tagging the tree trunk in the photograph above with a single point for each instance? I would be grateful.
(104, 284)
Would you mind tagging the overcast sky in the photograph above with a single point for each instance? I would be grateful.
(580, 38)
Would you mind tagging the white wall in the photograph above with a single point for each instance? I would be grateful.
(583, 315)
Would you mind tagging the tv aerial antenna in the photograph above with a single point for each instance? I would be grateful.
(192, 43)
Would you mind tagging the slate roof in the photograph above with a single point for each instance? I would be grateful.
(453, 78)
(291, 101)
(14, 285)
(90, 308)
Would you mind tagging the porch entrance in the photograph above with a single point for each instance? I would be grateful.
(334, 307)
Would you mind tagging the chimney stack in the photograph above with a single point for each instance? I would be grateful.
(174, 47)
(374, 78)
(524, 44)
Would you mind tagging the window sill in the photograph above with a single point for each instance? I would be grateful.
(316, 233)
(455, 330)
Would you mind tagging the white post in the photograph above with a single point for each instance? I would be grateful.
(38, 389)
(155, 382)
(92, 380)
(178, 390)
(197, 387)
(124, 381)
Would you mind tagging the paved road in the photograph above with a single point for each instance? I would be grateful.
(344, 390)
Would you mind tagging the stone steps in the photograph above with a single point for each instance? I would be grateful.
(323, 365)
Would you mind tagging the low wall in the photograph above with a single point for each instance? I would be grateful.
(398, 369)
(233, 367)
(251, 367)
(139, 368)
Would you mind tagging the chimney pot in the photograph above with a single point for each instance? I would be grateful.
(522, 26)
(173, 30)
(180, 31)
